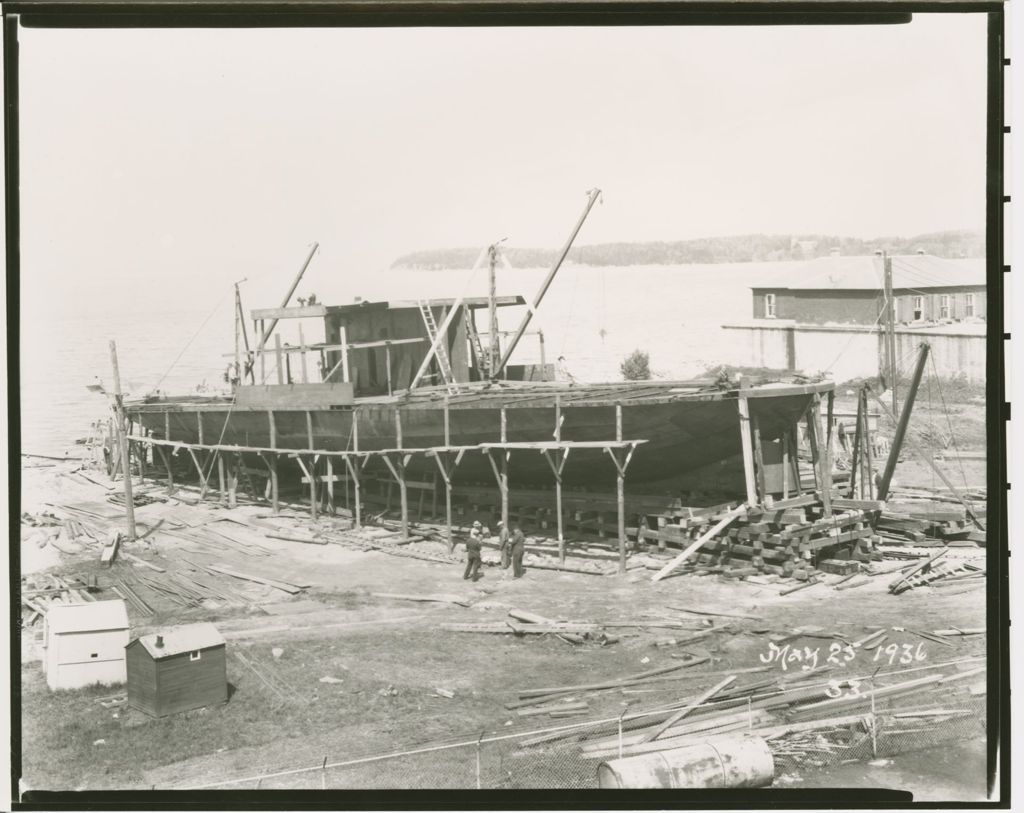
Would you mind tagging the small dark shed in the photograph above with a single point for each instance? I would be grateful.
(177, 669)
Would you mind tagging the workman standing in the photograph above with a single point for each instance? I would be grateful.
(518, 549)
(473, 547)
(503, 545)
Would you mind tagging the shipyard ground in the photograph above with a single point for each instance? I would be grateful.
(386, 659)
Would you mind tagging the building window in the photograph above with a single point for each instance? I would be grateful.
(944, 306)
(194, 656)
(769, 306)
(969, 305)
(918, 308)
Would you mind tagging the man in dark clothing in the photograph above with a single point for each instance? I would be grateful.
(503, 545)
(473, 547)
(518, 549)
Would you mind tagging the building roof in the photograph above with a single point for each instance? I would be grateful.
(909, 272)
(187, 638)
(92, 617)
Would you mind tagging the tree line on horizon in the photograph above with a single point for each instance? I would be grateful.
(734, 249)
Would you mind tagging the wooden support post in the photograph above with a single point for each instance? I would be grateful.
(819, 454)
(344, 353)
(302, 355)
(558, 479)
(199, 423)
(221, 479)
(785, 463)
(556, 468)
(310, 473)
(620, 492)
(869, 479)
(503, 481)
(233, 481)
(855, 456)
(330, 486)
(278, 358)
(827, 458)
(543, 362)
(397, 468)
(759, 480)
(309, 430)
(446, 468)
(166, 458)
(812, 439)
(263, 355)
(203, 476)
(167, 426)
(748, 451)
(387, 364)
(353, 472)
(433, 499)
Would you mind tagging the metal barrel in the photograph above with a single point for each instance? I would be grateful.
(725, 762)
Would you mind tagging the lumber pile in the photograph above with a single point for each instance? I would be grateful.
(804, 718)
(788, 539)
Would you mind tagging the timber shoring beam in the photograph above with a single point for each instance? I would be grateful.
(447, 458)
(748, 450)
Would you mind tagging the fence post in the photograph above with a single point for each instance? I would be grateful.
(874, 719)
(479, 740)
(621, 715)
(323, 775)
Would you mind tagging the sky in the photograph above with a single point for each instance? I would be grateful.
(174, 162)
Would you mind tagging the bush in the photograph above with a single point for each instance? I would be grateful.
(636, 366)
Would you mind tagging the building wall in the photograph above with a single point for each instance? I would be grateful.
(141, 669)
(931, 303)
(76, 659)
(368, 366)
(820, 307)
(184, 684)
(854, 352)
(864, 307)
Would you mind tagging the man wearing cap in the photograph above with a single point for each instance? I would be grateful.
(473, 546)
(506, 555)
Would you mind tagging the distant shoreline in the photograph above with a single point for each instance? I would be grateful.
(753, 248)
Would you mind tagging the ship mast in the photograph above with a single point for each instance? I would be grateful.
(495, 371)
(492, 307)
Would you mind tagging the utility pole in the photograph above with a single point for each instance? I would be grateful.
(238, 351)
(492, 305)
(890, 333)
(122, 433)
(901, 425)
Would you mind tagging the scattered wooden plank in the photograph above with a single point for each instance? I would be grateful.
(679, 715)
(709, 612)
(547, 709)
(441, 598)
(809, 583)
(227, 571)
(133, 558)
(965, 631)
(309, 540)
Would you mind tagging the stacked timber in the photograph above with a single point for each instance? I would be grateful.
(788, 539)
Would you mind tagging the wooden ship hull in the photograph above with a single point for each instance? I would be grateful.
(684, 427)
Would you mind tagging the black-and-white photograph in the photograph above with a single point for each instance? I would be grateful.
(483, 407)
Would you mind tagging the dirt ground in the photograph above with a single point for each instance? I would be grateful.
(385, 660)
